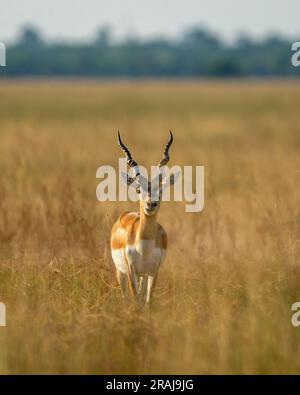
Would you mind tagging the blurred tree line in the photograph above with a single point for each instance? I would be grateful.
(198, 53)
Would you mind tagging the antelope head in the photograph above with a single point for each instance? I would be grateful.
(149, 192)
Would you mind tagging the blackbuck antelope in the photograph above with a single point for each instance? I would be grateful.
(138, 241)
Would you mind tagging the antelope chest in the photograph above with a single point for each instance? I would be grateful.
(145, 256)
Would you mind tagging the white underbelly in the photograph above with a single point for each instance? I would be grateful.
(144, 262)
(119, 260)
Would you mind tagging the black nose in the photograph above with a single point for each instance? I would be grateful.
(152, 205)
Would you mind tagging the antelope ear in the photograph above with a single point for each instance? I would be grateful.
(130, 181)
(174, 177)
(171, 180)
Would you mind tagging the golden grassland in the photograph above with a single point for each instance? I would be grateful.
(223, 297)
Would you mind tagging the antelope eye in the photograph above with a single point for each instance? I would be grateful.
(138, 190)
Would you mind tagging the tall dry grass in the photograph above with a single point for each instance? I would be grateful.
(223, 297)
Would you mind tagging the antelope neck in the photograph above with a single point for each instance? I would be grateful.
(147, 226)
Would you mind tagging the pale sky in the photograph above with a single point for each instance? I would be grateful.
(79, 19)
